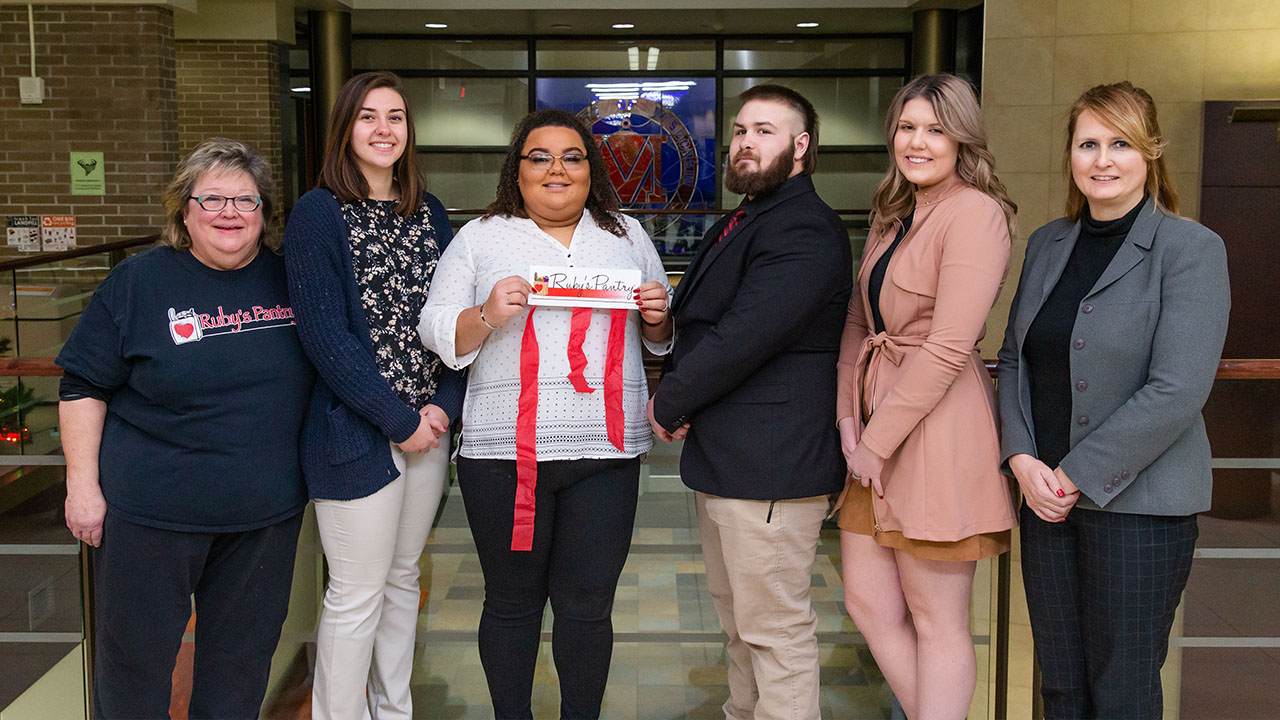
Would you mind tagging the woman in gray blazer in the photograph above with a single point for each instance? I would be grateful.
(1112, 345)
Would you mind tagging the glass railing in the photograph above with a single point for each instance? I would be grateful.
(44, 571)
(1226, 641)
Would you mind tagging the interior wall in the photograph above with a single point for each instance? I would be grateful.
(1183, 52)
(109, 87)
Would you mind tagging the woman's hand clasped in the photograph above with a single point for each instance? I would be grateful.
(432, 423)
(508, 297)
(1049, 493)
(864, 465)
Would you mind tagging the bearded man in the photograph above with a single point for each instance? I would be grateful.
(750, 385)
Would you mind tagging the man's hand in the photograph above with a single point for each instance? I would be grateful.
(660, 431)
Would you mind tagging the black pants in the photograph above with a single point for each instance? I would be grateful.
(1102, 589)
(582, 533)
(143, 581)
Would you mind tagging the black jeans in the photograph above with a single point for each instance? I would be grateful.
(1102, 589)
(144, 578)
(582, 533)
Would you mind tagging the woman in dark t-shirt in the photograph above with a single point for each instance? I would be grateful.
(183, 396)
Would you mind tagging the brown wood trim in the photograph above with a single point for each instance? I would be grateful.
(45, 258)
(29, 367)
(1228, 369)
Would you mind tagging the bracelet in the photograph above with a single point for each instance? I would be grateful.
(483, 320)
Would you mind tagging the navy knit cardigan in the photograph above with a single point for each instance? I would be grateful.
(353, 409)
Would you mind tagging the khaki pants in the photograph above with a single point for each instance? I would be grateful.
(758, 571)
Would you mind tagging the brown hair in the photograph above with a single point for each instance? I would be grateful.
(797, 102)
(216, 155)
(1131, 112)
(956, 106)
(340, 173)
(602, 201)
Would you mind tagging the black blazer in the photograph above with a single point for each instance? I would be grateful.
(758, 322)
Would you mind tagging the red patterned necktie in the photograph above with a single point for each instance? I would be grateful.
(733, 223)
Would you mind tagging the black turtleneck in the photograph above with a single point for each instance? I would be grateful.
(1047, 347)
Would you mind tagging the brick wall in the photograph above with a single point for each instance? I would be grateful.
(231, 89)
(109, 79)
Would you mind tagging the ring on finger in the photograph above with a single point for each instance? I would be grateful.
(856, 476)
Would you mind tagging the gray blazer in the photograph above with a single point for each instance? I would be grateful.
(1147, 341)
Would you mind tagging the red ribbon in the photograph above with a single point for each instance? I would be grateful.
(526, 439)
(578, 359)
(614, 421)
(527, 414)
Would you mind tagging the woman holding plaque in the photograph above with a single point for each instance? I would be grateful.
(916, 409)
(554, 422)
(1111, 350)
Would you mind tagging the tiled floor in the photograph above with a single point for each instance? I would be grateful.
(669, 660)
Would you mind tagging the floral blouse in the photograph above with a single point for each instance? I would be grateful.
(394, 259)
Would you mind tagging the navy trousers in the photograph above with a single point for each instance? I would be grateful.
(1102, 589)
(582, 533)
(144, 578)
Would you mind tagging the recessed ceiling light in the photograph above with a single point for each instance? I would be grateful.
(623, 26)
(436, 26)
(806, 24)
(561, 27)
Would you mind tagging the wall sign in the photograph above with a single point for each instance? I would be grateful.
(88, 174)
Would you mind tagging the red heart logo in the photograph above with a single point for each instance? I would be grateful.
(537, 288)
(184, 329)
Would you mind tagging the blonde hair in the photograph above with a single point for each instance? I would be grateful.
(956, 106)
(223, 155)
(1131, 112)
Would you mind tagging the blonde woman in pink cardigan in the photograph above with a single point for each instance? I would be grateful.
(916, 408)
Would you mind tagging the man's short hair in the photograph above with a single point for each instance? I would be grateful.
(797, 102)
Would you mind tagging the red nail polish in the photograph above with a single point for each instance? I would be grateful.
(1061, 494)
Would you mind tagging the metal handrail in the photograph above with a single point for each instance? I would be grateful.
(47, 258)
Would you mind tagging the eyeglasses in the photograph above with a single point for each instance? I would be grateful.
(215, 203)
(543, 161)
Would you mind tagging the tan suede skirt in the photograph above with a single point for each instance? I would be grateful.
(857, 515)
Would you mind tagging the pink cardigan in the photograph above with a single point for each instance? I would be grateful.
(930, 400)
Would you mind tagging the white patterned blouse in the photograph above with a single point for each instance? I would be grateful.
(570, 425)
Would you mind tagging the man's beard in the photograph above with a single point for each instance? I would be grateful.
(760, 182)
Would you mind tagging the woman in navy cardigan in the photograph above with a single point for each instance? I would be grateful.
(361, 251)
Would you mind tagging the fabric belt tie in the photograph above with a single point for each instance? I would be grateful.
(875, 350)
(527, 413)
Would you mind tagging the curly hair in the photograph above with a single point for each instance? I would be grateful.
(602, 201)
(956, 106)
(216, 155)
(1131, 112)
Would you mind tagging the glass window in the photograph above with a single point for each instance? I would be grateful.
(816, 54)
(850, 110)
(467, 111)
(443, 54)
(463, 181)
(607, 55)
